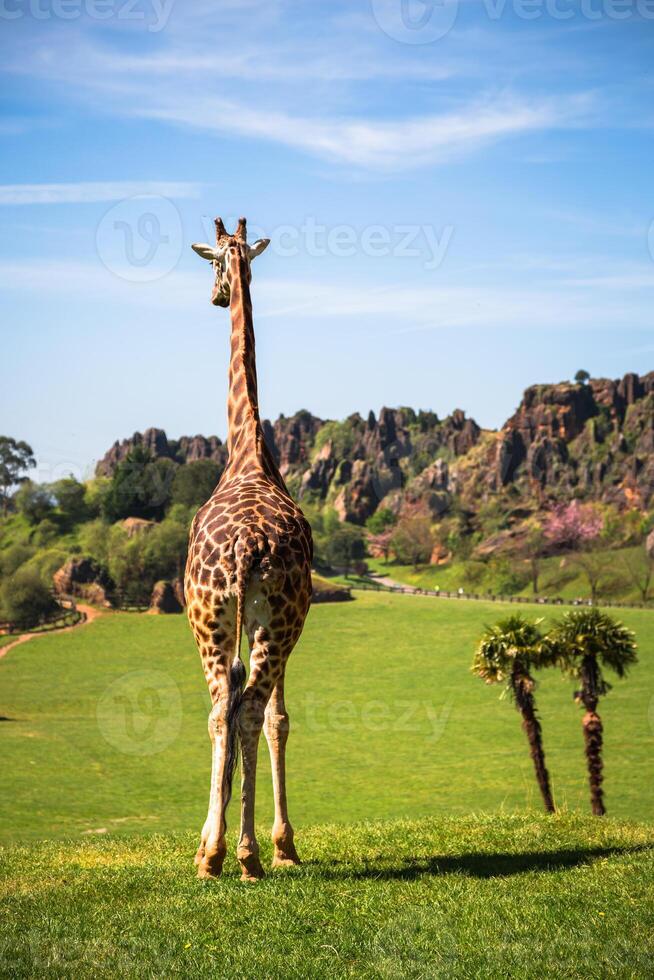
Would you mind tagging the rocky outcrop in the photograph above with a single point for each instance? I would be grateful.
(326, 591)
(593, 441)
(360, 495)
(163, 599)
(75, 577)
(133, 526)
(178, 589)
(290, 440)
(153, 440)
(382, 457)
(187, 449)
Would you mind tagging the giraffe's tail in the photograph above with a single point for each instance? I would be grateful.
(237, 678)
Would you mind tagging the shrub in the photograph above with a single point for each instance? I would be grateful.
(412, 540)
(13, 557)
(195, 482)
(47, 562)
(137, 563)
(345, 546)
(45, 533)
(34, 501)
(71, 499)
(140, 487)
(340, 434)
(25, 599)
(381, 520)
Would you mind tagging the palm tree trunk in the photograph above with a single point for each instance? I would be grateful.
(592, 725)
(523, 686)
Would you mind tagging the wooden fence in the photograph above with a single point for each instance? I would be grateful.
(66, 615)
(372, 586)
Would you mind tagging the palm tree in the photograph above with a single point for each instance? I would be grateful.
(507, 652)
(582, 642)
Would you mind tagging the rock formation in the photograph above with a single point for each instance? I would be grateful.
(594, 441)
(164, 600)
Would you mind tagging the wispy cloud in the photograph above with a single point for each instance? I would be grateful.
(93, 191)
(255, 94)
(392, 145)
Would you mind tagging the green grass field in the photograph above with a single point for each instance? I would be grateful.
(104, 743)
(107, 725)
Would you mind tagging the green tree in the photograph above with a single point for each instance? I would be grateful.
(15, 459)
(581, 377)
(582, 642)
(70, 496)
(531, 551)
(413, 541)
(507, 653)
(340, 434)
(34, 501)
(96, 491)
(195, 482)
(136, 563)
(639, 566)
(164, 551)
(13, 557)
(381, 520)
(140, 487)
(25, 599)
(94, 538)
(345, 546)
(45, 533)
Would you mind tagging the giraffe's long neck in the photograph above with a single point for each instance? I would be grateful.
(246, 446)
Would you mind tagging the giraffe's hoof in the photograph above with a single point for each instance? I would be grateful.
(251, 868)
(208, 870)
(279, 861)
(210, 863)
(286, 856)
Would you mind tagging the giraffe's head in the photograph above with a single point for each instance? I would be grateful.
(229, 253)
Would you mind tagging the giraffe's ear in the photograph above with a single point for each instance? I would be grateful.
(206, 252)
(258, 247)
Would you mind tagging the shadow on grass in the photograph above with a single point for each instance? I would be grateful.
(478, 865)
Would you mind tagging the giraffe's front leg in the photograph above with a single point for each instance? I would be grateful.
(276, 728)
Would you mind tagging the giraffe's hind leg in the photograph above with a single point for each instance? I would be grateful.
(211, 851)
(266, 666)
(276, 728)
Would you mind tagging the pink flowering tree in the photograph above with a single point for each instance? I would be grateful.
(574, 525)
(379, 545)
(581, 528)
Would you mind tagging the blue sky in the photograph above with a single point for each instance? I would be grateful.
(459, 197)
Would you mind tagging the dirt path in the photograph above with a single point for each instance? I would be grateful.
(90, 613)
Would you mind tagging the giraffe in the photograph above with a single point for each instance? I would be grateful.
(248, 569)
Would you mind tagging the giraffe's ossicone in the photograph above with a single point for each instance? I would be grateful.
(248, 570)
